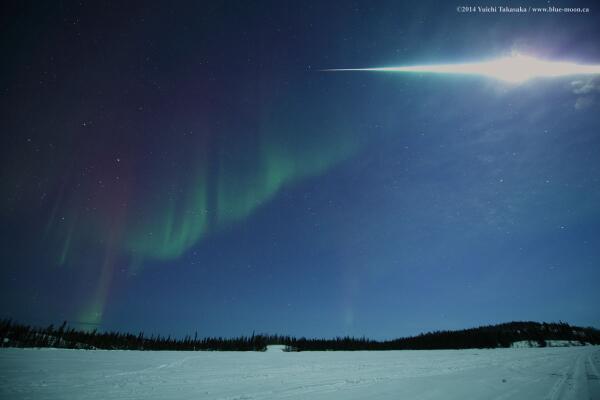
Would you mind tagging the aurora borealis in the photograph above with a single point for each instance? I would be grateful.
(232, 183)
(182, 167)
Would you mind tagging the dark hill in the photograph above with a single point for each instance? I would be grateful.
(491, 336)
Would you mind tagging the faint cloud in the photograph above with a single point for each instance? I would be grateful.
(586, 90)
(584, 102)
(585, 87)
(486, 158)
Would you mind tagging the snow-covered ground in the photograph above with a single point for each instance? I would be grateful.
(526, 373)
(549, 343)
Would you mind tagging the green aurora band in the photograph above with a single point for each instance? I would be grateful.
(245, 176)
(223, 177)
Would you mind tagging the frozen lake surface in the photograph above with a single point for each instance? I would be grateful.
(534, 373)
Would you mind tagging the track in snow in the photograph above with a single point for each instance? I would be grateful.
(501, 374)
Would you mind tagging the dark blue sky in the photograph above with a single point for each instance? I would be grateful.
(181, 167)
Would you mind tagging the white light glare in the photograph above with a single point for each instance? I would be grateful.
(514, 69)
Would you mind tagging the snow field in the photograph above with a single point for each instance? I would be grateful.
(526, 373)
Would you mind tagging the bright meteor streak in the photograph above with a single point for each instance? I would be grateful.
(515, 69)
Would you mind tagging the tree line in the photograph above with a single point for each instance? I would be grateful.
(491, 336)
(19, 335)
(13, 334)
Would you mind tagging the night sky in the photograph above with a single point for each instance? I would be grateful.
(187, 166)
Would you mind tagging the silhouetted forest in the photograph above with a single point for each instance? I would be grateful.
(18, 335)
(493, 336)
